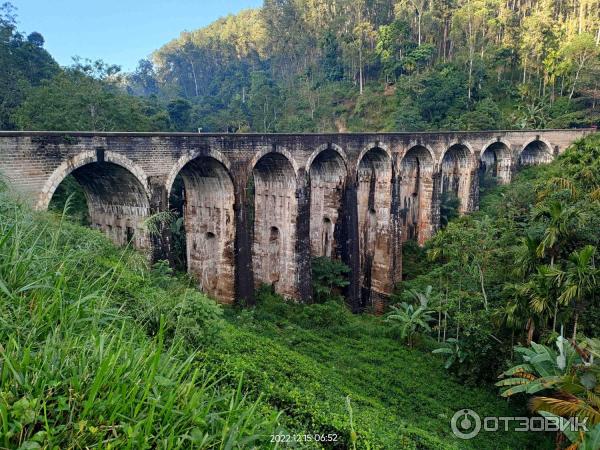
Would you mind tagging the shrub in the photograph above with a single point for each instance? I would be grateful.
(329, 277)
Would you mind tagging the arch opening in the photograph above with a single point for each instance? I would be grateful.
(455, 183)
(416, 192)
(274, 223)
(109, 198)
(327, 179)
(534, 154)
(494, 165)
(203, 237)
(374, 184)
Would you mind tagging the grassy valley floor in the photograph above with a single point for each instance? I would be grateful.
(307, 360)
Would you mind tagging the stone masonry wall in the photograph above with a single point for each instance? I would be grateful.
(380, 189)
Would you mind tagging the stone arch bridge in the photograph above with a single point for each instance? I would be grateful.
(259, 206)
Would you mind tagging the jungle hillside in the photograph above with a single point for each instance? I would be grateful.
(327, 66)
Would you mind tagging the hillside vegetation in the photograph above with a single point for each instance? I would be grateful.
(328, 66)
(100, 350)
(385, 65)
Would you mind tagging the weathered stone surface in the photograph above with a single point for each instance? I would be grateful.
(209, 226)
(258, 206)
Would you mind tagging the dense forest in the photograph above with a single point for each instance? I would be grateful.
(99, 348)
(335, 65)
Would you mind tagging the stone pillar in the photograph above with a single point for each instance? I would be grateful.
(160, 243)
(431, 206)
(244, 275)
(474, 193)
(473, 190)
(396, 226)
(504, 168)
(465, 189)
(303, 263)
(349, 246)
(374, 194)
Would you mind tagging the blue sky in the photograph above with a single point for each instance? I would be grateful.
(117, 31)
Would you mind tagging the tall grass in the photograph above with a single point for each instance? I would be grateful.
(87, 360)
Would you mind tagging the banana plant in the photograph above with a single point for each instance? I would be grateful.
(411, 319)
(570, 378)
(542, 368)
(452, 348)
(580, 440)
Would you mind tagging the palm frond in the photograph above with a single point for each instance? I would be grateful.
(567, 406)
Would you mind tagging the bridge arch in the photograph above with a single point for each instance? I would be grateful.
(416, 193)
(275, 150)
(116, 191)
(185, 159)
(535, 152)
(327, 170)
(203, 191)
(373, 146)
(80, 160)
(456, 166)
(374, 186)
(325, 147)
(495, 161)
(275, 214)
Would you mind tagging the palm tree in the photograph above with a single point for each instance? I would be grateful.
(578, 281)
(411, 319)
(532, 300)
(526, 257)
(560, 220)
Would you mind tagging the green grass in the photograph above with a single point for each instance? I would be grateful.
(306, 360)
(94, 353)
(97, 350)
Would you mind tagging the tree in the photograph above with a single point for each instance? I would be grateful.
(566, 380)
(334, 71)
(144, 80)
(329, 276)
(391, 46)
(416, 6)
(411, 319)
(73, 100)
(23, 64)
(579, 281)
(180, 113)
(559, 221)
(36, 39)
(263, 102)
(578, 54)
(453, 349)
